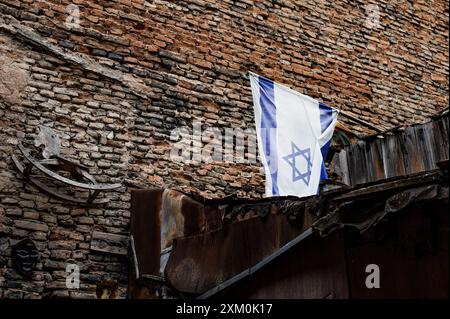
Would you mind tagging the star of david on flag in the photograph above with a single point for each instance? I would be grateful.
(296, 174)
(294, 135)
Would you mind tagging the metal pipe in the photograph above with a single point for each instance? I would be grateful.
(135, 260)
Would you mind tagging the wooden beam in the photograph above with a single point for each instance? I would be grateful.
(362, 122)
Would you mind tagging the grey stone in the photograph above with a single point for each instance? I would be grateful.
(99, 52)
(109, 243)
(65, 91)
(31, 215)
(31, 225)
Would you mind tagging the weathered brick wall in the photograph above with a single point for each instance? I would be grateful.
(151, 66)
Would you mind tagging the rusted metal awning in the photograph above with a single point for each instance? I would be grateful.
(246, 233)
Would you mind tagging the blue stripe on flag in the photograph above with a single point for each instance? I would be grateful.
(324, 150)
(268, 127)
(326, 115)
(326, 118)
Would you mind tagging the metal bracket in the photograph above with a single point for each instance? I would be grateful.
(82, 179)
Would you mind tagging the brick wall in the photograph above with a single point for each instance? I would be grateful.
(115, 87)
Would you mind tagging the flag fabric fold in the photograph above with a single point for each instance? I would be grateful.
(294, 134)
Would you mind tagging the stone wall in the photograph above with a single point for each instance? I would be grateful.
(115, 87)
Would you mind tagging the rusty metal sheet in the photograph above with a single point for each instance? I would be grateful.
(364, 213)
(413, 258)
(172, 218)
(180, 216)
(146, 228)
(201, 262)
(157, 218)
(314, 269)
(412, 255)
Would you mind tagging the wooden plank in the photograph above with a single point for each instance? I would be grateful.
(430, 133)
(376, 160)
(399, 155)
(344, 167)
(440, 140)
(413, 163)
(357, 163)
(392, 157)
(423, 148)
(415, 150)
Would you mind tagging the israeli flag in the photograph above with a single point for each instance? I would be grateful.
(294, 135)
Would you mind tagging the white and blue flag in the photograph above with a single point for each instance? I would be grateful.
(294, 135)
